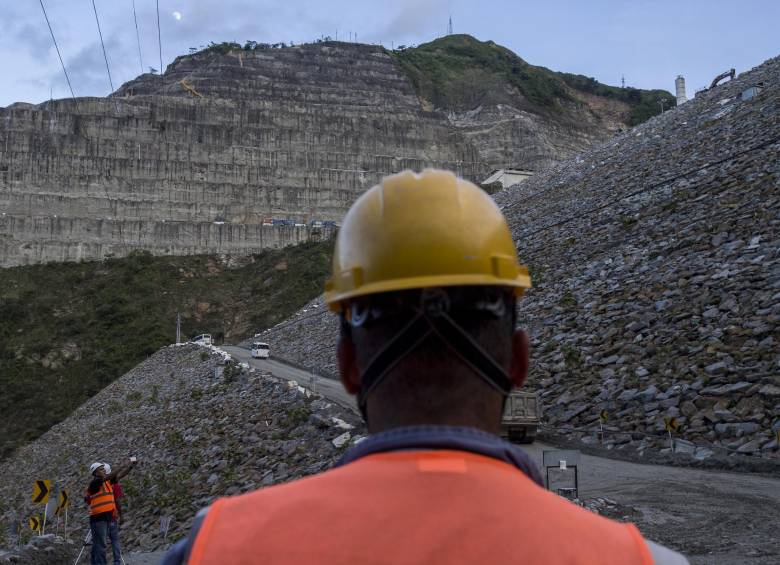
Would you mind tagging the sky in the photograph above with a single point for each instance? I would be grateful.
(649, 42)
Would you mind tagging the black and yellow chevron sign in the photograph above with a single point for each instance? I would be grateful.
(35, 523)
(671, 424)
(63, 502)
(604, 415)
(41, 490)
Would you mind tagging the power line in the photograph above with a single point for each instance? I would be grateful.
(138, 39)
(67, 78)
(159, 43)
(105, 57)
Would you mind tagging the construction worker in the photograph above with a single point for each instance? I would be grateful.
(425, 282)
(102, 507)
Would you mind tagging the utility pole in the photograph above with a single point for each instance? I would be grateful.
(661, 102)
(622, 81)
(178, 327)
(449, 27)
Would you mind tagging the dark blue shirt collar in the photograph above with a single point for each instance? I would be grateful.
(445, 437)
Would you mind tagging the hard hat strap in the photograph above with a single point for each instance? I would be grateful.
(470, 352)
(426, 321)
(407, 339)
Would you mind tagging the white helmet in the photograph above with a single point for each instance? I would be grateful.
(95, 466)
(108, 468)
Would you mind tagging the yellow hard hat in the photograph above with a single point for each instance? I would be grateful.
(419, 231)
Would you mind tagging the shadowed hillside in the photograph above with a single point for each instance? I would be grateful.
(68, 330)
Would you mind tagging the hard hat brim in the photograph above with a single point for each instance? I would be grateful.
(520, 284)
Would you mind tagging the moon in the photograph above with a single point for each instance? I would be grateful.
(176, 15)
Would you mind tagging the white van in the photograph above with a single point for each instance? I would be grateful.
(203, 339)
(260, 350)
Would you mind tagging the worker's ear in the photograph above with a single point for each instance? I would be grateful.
(348, 369)
(518, 368)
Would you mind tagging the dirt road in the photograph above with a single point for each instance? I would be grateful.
(711, 516)
(327, 387)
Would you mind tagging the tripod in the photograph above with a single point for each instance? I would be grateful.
(88, 541)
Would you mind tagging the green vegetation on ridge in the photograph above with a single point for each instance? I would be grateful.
(644, 103)
(68, 330)
(456, 70)
(459, 72)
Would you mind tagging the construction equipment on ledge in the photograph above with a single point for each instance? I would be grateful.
(188, 87)
(731, 73)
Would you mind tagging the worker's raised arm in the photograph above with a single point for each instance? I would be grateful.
(119, 473)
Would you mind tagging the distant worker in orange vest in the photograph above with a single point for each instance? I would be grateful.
(425, 282)
(102, 508)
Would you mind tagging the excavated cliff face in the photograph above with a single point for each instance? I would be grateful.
(291, 134)
(294, 134)
(509, 131)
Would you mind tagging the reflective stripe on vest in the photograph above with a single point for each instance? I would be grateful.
(102, 500)
(413, 507)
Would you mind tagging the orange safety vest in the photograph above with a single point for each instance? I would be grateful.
(102, 500)
(413, 507)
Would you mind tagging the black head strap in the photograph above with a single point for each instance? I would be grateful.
(432, 317)
(407, 339)
(470, 352)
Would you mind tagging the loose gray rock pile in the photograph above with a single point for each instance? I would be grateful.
(196, 436)
(655, 259)
(44, 550)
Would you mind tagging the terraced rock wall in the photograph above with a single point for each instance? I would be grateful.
(295, 135)
(292, 134)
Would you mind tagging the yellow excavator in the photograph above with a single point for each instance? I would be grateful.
(730, 73)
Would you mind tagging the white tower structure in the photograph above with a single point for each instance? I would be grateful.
(679, 85)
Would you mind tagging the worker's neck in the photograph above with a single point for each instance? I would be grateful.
(382, 422)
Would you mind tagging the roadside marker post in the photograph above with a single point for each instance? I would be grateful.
(40, 495)
(165, 523)
(671, 425)
(64, 502)
(603, 415)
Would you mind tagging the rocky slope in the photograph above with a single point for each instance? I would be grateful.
(203, 158)
(196, 436)
(656, 264)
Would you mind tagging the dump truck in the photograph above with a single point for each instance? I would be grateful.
(522, 415)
